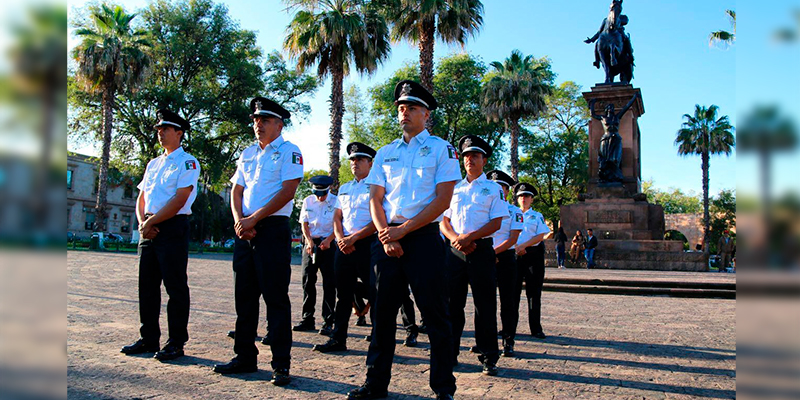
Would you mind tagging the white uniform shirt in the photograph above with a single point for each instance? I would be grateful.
(534, 224)
(410, 172)
(512, 222)
(262, 171)
(319, 214)
(163, 177)
(354, 203)
(474, 204)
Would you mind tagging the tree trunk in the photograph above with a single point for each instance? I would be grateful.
(101, 208)
(514, 125)
(426, 42)
(337, 111)
(706, 219)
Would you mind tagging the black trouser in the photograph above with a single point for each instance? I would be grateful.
(421, 266)
(262, 267)
(349, 268)
(164, 258)
(323, 261)
(476, 270)
(509, 296)
(530, 267)
(407, 314)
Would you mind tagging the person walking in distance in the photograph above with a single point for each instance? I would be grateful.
(591, 245)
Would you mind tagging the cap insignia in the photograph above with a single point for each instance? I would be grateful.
(405, 90)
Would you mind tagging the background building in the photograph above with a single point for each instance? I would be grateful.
(82, 184)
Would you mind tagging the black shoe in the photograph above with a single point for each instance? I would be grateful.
(265, 340)
(326, 330)
(362, 321)
(474, 349)
(366, 392)
(304, 326)
(539, 335)
(411, 339)
(330, 346)
(236, 366)
(368, 338)
(139, 347)
(232, 334)
(423, 329)
(508, 348)
(169, 352)
(489, 368)
(280, 377)
(444, 397)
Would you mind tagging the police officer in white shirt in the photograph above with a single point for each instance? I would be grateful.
(504, 240)
(316, 217)
(166, 194)
(411, 183)
(530, 256)
(264, 184)
(476, 212)
(355, 233)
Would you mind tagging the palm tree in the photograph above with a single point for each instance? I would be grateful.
(705, 134)
(421, 22)
(335, 35)
(112, 57)
(516, 89)
(724, 37)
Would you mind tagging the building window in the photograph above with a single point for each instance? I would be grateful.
(69, 214)
(90, 219)
(128, 193)
(96, 184)
(69, 179)
(126, 223)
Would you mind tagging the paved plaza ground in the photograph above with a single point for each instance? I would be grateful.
(598, 346)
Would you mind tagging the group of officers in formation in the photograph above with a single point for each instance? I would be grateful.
(408, 219)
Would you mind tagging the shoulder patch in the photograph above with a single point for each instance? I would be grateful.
(190, 165)
(518, 217)
(451, 152)
(297, 158)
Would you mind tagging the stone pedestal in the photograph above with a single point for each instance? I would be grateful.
(630, 231)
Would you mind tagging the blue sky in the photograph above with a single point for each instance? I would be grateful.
(675, 67)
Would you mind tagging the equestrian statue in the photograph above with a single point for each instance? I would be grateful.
(613, 48)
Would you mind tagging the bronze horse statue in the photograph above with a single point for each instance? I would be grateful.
(613, 48)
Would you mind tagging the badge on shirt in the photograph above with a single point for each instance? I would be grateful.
(518, 217)
(451, 151)
(391, 159)
(190, 165)
(485, 192)
(297, 158)
(276, 155)
(424, 151)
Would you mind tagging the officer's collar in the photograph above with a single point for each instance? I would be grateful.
(477, 180)
(175, 153)
(275, 144)
(421, 137)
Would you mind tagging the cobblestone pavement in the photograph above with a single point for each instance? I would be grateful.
(598, 346)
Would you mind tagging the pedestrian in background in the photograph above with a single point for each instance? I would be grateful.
(591, 244)
(578, 245)
(561, 247)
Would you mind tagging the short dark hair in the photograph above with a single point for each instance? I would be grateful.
(589, 230)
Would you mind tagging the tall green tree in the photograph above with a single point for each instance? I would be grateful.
(515, 89)
(723, 216)
(705, 134)
(113, 56)
(674, 201)
(723, 37)
(421, 22)
(558, 150)
(335, 36)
